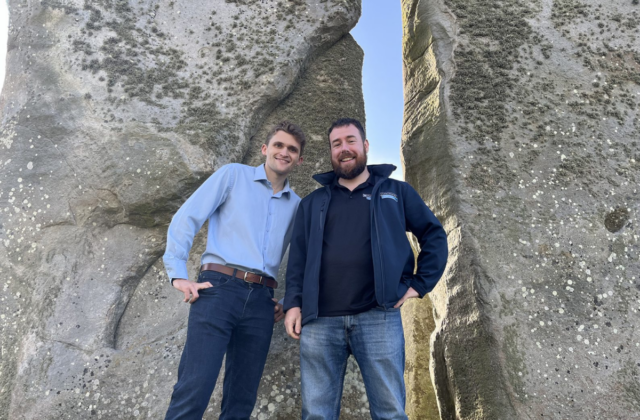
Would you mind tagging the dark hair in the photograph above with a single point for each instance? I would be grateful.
(343, 122)
(291, 129)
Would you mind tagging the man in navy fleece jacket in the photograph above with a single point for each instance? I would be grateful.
(350, 269)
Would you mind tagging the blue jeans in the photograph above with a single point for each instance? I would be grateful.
(232, 317)
(376, 340)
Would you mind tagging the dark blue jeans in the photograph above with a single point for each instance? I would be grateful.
(232, 317)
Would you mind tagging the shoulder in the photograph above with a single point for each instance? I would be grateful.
(234, 172)
(396, 182)
(395, 185)
(401, 189)
(236, 168)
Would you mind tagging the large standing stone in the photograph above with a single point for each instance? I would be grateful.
(521, 130)
(112, 113)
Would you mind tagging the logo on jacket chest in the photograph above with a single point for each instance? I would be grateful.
(388, 195)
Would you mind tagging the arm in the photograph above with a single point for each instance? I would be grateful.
(289, 233)
(279, 309)
(295, 276)
(297, 263)
(434, 251)
(190, 218)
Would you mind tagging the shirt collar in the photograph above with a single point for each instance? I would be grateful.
(336, 184)
(380, 172)
(260, 174)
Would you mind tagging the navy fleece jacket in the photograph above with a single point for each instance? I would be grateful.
(396, 208)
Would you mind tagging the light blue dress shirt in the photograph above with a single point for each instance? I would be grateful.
(249, 226)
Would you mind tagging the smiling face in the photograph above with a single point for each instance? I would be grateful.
(283, 154)
(348, 151)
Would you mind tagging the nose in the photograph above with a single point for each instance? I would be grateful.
(345, 147)
(283, 153)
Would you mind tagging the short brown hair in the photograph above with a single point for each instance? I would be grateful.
(291, 129)
(343, 122)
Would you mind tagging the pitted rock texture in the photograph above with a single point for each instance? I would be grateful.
(331, 88)
(113, 112)
(521, 130)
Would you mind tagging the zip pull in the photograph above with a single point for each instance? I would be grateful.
(322, 214)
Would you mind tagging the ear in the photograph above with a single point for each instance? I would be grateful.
(366, 146)
(300, 159)
(264, 149)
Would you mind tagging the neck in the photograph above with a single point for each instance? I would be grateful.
(352, 183)
(277, 180)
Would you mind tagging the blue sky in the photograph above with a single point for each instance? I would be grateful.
(379, 33)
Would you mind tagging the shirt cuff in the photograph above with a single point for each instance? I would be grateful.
(176, 269)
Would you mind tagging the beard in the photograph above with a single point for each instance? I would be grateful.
(357, 169)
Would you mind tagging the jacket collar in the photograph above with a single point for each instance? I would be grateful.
(261, 175)
(377, 171)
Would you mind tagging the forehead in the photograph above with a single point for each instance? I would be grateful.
(345, 131)
(285, 138)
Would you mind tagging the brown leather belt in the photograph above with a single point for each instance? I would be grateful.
(244, 275)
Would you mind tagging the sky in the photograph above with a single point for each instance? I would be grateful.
(379, 33)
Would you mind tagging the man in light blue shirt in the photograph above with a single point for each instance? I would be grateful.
(250, 213)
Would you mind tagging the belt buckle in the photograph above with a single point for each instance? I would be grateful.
(247, 281)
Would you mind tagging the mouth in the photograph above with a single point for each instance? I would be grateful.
(347, 159)
(283, 160)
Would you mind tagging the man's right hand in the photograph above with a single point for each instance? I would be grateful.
(190, 288)
(293, 323)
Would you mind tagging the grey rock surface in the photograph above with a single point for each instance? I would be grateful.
(521, 131)
(113, 112)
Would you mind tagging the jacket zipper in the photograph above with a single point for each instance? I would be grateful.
(375, 217)
(322, 232)
(374, 197)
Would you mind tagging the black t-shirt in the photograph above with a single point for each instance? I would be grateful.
(346, 271)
